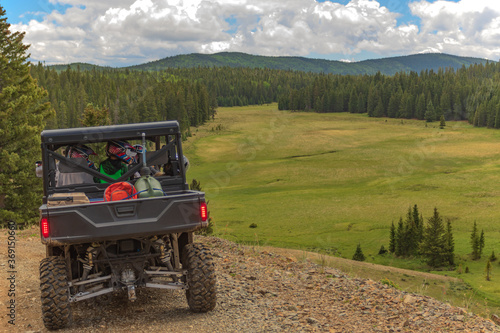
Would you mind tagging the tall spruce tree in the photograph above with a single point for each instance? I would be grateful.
(488, 271)
(392, 239)
(474, 242)
(434, 243)
(411, 229)
(420, 107)
(430, 112)
(419, 222)
(400, 238)
(23, 113)
(358, 255)
(95, 116)
(481, 243)
(450, 243)
(405, 240)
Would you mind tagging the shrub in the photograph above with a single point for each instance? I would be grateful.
(389, 283)
(208, 230)
(195, 185)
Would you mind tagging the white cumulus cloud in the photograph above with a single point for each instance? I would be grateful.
(125, 32)
(468, 27)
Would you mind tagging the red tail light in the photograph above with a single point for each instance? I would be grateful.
(44, 227)
(203, 211)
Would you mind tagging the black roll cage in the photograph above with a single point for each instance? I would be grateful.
(167, 132)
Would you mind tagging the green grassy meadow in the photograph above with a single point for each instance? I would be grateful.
(326, 182)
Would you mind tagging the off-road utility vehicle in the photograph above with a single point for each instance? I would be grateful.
(96, 244)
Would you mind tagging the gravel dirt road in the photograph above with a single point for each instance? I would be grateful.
(258, 291)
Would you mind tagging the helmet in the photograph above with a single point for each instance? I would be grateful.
(121, 149)
(138, 150)
(186, 163)
(80, 151)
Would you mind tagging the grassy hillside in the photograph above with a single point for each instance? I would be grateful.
(326, 182)
(387, 66)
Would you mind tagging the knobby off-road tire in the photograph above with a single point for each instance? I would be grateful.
(56, 309)
(201, 294)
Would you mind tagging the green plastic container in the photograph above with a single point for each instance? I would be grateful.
(148, 187)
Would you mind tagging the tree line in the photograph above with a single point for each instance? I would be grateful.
(128, 95)
(191, 95)
(469, 93)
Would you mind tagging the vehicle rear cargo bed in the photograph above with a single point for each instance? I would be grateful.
(114, 220)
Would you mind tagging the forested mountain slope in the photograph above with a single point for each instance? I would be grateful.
(388, 66)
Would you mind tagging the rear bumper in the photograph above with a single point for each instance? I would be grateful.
(123, 219)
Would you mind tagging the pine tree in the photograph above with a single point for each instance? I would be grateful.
(23, 113)
(488, 271)
(95, 116)
(450, 243)
(420, 107)
(419, 222)
(445, 103)
(411, 229)
(434, 243)
(392, 239)
(393, 108)
(361, 105)
(379, 109)
(358, 255)
(481, 244)
(353, 101)
(430, 112)
(421, 227)
(457, 108)
(442, 122)
(372, 100)
(474, 241)
(399, 239)
(406, 106)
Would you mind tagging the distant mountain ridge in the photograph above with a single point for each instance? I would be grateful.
(388, 66)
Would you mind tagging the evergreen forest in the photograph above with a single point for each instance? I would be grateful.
(191, 95)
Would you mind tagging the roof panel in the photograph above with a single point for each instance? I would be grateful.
(105, 133)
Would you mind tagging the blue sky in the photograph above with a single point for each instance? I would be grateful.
(26, 10)
(126, 32)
